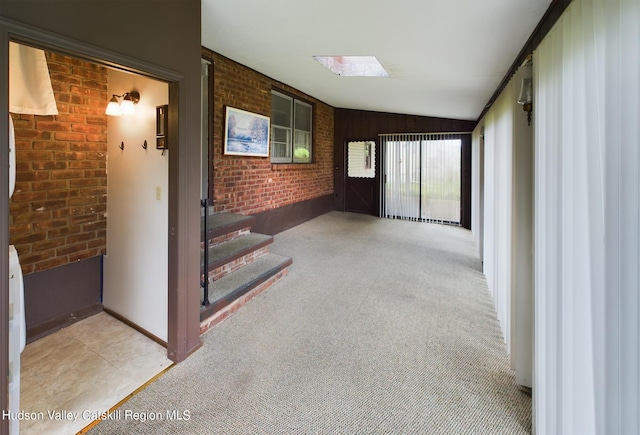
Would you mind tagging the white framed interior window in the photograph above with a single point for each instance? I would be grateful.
(291, 129)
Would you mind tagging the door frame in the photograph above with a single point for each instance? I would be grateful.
(181, 312)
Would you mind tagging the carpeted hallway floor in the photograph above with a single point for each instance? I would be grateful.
(382, 326)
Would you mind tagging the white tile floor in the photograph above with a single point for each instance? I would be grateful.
(86, 368)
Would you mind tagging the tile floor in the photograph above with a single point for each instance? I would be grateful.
(89, 366)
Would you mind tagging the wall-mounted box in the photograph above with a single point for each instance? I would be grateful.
(162, 122)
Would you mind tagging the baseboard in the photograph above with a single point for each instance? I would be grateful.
(274, 221)
(141, 330)
(42, 330)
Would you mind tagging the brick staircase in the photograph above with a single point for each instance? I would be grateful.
(240, 266)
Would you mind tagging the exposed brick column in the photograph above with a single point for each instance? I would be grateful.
(57, 210)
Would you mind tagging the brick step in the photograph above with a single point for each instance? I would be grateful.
(247, 281)
(226, 226)
(235, 253)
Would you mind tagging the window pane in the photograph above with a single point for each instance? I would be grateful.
(281, 134)
(291, 122)
(361, 160)
(302, 146)
(280, 150)
(280, 144)
(281, 110)
(303, 116)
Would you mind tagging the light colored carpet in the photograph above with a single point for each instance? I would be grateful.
(382, 326)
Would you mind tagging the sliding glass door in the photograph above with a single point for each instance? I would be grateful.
(422, 177)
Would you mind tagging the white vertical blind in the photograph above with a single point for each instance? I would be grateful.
(502, 219)
(477, 188)
(402, 176)
(441, 175)
(587, 184)
(498, 145)
(622, 214)
(422, 177)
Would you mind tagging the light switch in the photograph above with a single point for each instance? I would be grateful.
(158, 193)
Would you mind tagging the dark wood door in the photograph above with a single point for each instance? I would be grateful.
(361, 180)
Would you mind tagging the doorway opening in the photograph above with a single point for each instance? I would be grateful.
(89, 221)
(422, 177)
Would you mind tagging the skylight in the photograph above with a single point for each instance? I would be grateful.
(353, 66)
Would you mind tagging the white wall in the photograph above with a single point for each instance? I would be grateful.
(135, 267)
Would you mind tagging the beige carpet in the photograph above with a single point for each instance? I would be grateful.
(382, 326)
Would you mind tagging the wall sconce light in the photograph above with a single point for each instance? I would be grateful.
(126, 107)
(526, 97)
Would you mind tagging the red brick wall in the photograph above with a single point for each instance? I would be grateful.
(249, 185)
(57, 209)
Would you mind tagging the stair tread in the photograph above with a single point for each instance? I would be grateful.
(219, 223)
(263, 267)
(239, 245)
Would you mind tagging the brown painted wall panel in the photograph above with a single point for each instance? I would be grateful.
(277, 220)
(353, 125)
(57, 297)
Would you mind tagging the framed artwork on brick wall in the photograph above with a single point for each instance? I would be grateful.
(246, 133)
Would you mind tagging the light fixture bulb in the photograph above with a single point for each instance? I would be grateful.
(113, 108)
(126, 107)
(128, 101)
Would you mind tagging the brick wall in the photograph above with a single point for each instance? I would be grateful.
(250, 185)
(57, 209)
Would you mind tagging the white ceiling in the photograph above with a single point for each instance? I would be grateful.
(445, 57)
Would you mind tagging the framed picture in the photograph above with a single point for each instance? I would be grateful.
(246, 133)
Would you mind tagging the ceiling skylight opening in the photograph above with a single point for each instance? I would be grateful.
(353, 66)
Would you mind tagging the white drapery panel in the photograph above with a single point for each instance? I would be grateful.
(422, 176)
(498, 150)
(586, 84)
(30, 89)
(477, 188)
(502, 219)
(401, 176)
(622, 200)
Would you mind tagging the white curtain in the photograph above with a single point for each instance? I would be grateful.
(477, 188)
(503, 219)
(498, 149)
(30, 92)
(30, 89)
(587, 201)
(401, 176)
(441, 175)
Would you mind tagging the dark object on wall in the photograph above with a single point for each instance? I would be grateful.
(162, 126)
